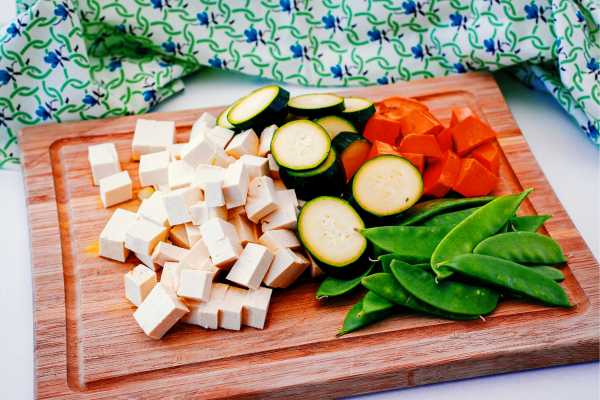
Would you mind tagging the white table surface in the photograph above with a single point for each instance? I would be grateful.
(570, 162)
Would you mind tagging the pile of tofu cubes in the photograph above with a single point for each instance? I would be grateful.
(213, 238)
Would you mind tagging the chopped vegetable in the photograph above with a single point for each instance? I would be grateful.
(315, 105)
(300, 145)
(419, 122)
(353, 150)
(441, 175)
(334, 124)
(358, 110)
(470, 133)
(421, 144)
(488, 155)
(379, 148)
(258, 108)
(459, 114)
(474, 179)
(383, 129)
(444, 139)
(418, 160)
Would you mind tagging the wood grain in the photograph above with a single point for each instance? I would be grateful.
(87, 344)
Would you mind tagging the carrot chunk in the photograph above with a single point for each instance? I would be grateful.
(354, 156)
(421, 144)
(474, 179)
(440, 176)
(378, 148)
(381, 128)
(459, 114)
(470, 133)
(444, 139)
(403, 103)
(419, 123)
(488, 155)
(418, 160)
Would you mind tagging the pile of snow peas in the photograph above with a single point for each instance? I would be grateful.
(454, 259)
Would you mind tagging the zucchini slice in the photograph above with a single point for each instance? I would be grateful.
(358, 110)
(222, 118)
(353, 150)
(316, 104)
(386, 185)
(300, 145)
(258, 107)
(329, 228)
(334, 125)
(325, 180)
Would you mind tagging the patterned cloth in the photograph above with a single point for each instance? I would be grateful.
(80, 59)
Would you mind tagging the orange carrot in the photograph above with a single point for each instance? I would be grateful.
(459, 114)
(381, 128)
(421, 144)
(444, 139)
(488, 155)
(378, 148)
(419, 123)
(418, 160)
(403, 103)
(441, 175)
(354, 156)
(470, 133)
(474, 179)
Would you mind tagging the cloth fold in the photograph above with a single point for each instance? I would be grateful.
(68, 59)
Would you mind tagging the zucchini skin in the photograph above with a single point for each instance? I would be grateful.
(335, 109)
(360, 117)
(349, 271)
(276, 108)
(310, 184)
(345, 139)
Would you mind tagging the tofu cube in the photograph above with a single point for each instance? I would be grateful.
(195, 284)
(153, 209)
(170, 275)
(198, 151)
(196, 257)
(273, 167)
(207, 173)
(175, 151)
(235, 185)
(256, 307)
(193, 234)
(112, 237)
(231, 308)
(245, 142)
(202, 213)
(178, 202)
(181, 175)
(222, 159)
(104, 161)
(154, 168)
(286, 267)
(159, 311)
(245, 229)
(213, 193)
(222, 242)
(251, 267)
(220, 136)
(256, 166)
(266, 136)
(284, 217)
(279, 185)
(143, 235)
(315, 270)
(164, 252)
(279, 239)
(115, 189)
(179, 237)
(202, 125)
(206, 314)
(261, 200)
(138, 284)
(151, 137)
(146, 259)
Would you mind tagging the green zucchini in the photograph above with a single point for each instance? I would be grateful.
(334, 125)
(316, 105)
(300, 145)
(329, 229)
(352, 150)
(326, 179)
(358, 110)
(222, 118)
(386, 185)
(259, 107)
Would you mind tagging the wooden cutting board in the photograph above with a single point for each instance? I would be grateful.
(87, 344)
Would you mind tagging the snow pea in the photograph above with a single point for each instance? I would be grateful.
(549, 272)
(414, 242)
(450, 219)
(386, 286)
(528, 223)
(331, 287)
(372, 303)
(355, 319)
(522, 248)
(451, 296)
(387, 259)
(476, 227)
(429, 208)
(509, 275)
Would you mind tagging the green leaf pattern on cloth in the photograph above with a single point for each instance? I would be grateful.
(68, 59)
